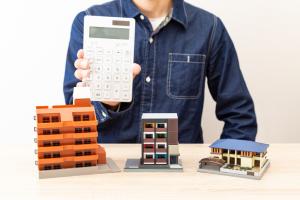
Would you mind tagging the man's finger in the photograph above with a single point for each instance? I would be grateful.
(136, 70)
(80, 54)
(82, 64)
(82, 74)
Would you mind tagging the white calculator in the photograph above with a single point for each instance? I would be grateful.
(109, 46)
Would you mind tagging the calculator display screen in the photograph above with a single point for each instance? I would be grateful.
(109, 33)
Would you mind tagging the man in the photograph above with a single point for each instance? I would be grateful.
(177, 45)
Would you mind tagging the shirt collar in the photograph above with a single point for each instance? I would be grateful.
(179, 13)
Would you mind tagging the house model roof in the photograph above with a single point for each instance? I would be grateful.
(240, 145)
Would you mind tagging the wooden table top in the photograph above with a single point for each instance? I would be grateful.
(19, 179)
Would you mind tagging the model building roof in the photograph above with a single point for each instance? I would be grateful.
(159, 116)
(240, 145)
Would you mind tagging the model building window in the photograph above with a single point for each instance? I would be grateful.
(77, 118)
(47, 155)
(238, 161)
(149, 125)
(87, 129)
(87, 153)
(55, 131)
(149, 136)
(78, 142)
(87, 141)
(78, 130)
(46, 119)
(225, 151)
(47, 167)
(231, 161)
(56, 155)
(55, 143)
(161, 156)
(87, 164)
(56, 167)
(256, 163)
(149, 146)
(78, 153)
(238, 153)
(149, 156)
(161, 146)
(225, 158)
(161, 125)
(46, 144)
(78, 165)
(54, 119)
(173, 159)
(161, 135)
(86, 117)
(46, 132)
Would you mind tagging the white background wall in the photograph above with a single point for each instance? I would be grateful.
(34, 36)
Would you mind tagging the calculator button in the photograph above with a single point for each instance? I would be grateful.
(125, 86)
(107, 77)
(117, 77)
(106, 94)
(126, 60)
(107, 86)
(127, 53)
(126, 77)
(108, 52)
(97, 68)
(100, 51)
(124, 95)
(97, 93)
(118, 60)
(97, 86)
(116, 93)
(98, 59)
(118, 52)
(117, 69)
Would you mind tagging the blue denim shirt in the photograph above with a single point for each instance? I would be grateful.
(192, 46)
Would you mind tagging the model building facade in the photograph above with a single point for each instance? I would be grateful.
(160, 139)
(67, 138)
(159, 144)
(237, 157)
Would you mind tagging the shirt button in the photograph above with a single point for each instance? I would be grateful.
(151, 40)
(142, 17)
(104, 114)
(148, 79)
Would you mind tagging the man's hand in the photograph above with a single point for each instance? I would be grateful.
(83, 70)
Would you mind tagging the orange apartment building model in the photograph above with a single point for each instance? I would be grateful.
(67, 141)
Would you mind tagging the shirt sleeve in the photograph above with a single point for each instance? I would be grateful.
(227, 86)
(76, 42)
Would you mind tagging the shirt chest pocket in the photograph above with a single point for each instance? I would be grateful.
(185, 75)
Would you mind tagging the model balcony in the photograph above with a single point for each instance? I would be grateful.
(149, 140)
(161, 140)
(161, 150)
(148, 161)
(161, 130)
(67, 159)
(67, 147)
(148, 150)
(67, 136)
(148, 130)
(161, 161)
(47, 125)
